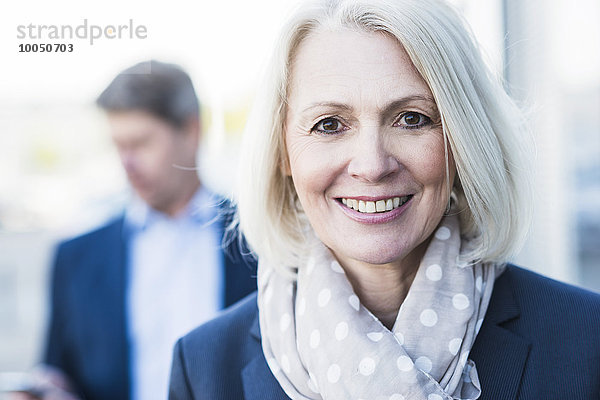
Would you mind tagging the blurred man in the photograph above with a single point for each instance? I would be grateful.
(122, 294)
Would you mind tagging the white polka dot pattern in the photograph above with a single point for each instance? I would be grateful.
(285, 321)
(321, 343)
(428, 317)
(460, 301)
(399, 338)
(333, 373)
(478, 283)
(454, 346)
(324, 297)
(268, 294)
(404, 363)
(434, 272)
(336, 267)
(424, 364)
(341, 331)
(315, 339)
(375, 336)
(367, 366)
(443, 233)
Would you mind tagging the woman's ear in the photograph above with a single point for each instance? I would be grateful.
(193, 130)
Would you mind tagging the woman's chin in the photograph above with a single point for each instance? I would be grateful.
(382, 256)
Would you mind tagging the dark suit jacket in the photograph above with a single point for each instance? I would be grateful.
(88, 336)
(540, 340)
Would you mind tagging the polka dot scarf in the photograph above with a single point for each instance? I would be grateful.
(321, 343)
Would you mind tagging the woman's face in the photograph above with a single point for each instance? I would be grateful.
(365, 147)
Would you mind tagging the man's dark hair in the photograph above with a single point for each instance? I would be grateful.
(163, 90)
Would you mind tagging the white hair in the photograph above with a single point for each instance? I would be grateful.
(482, 126)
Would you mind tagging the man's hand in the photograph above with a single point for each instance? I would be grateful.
(44, 383)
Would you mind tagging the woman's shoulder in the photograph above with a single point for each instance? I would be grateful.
(546, 302)
(207, 362)
(532, 285)
(231, 326)
(535, 329)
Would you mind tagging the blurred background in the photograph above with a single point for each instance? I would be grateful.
(59, 174)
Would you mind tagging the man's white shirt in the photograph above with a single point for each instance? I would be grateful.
(175, 283)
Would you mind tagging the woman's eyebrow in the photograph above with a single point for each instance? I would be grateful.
(390, 107)
(329, 104)
(404, 101)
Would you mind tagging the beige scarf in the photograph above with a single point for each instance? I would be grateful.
(321, 343)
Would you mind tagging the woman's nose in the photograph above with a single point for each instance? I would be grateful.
(372, 159)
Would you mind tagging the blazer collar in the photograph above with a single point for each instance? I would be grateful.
(255, 329)
(499, 354)
(258, 380)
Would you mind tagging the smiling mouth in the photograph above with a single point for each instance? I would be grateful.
(379, 206)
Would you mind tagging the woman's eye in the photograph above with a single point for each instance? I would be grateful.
(412, 120)
(328, 126)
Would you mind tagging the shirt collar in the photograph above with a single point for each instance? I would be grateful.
(202, 208)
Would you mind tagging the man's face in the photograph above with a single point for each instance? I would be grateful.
(151, 150)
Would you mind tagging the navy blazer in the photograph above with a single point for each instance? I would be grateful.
(540, 339)
(88, 336)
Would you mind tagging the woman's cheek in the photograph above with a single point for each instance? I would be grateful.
(430, 161)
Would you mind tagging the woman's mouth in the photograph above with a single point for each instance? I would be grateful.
(377, 206)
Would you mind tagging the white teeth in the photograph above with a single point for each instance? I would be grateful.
(370, 206)
(375, 206)
(389, 205)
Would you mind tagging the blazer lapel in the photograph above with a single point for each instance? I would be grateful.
(258, 381)
(117, 271)
(499, 354)
(103, 313)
